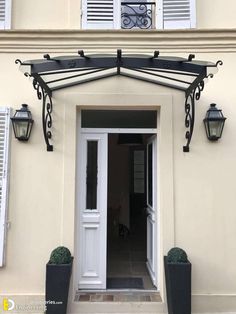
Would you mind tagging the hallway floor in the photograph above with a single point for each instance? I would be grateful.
(127, 258)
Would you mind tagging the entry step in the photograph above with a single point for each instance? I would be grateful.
(117, 296)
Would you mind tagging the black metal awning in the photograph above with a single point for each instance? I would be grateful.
(54, 73)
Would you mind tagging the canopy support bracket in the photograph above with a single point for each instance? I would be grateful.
(189, 106)
(46, 96)
(183, 74)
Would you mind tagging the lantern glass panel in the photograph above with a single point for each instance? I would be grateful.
(21, 129)
(22, 114)
(215, 128)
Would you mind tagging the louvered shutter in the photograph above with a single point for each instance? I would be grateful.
(4, 156)
(176, 14)
(99, 14)
(5, 14)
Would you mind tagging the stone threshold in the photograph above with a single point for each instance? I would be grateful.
(118, 296)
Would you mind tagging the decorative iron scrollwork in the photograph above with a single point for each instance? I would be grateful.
(137, 15)
(219, 62)
(18, 61)
(43, 95)
(190, 113)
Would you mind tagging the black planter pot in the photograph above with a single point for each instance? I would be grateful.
(57, 287)
(178, 287)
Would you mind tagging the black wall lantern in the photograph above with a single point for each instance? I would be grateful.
(214, 123)
(22, 123)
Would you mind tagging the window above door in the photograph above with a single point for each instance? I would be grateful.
(138, 14)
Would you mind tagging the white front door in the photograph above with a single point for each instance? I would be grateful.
(152, 208)
(92, 203)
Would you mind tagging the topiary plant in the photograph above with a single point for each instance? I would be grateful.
(60, 255)
(177, 255)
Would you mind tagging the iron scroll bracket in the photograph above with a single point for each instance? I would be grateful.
(191, 97)
(192, 94)
(45, 95)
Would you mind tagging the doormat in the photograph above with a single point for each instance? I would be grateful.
(125, 283)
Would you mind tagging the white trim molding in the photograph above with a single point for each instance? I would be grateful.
(5, 14)
(93, 41)
(4, 178)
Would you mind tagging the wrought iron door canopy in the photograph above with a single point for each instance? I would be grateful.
(52, 74)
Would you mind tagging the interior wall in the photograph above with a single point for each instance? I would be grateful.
(118, 180)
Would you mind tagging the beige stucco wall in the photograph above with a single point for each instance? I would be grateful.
(32, 209)
(43, 14)
(196, 195)
(63, 14)
(204, 178)
(215, 13)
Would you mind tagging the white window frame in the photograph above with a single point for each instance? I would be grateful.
(5, 185)
(94, 25)
(6, 24)
(175, 25)
(158, 24)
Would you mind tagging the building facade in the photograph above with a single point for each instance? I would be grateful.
(45, 199)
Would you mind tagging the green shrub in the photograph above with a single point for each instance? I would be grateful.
(60, 255)
(177, 255)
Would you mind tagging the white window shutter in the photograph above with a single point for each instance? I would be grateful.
(99, 14)
(5, 14)
(4, 173)
(176, 14)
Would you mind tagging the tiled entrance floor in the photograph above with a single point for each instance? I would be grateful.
(118, 296)
(127, 258)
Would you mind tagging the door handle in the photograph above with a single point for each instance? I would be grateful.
(147, 213)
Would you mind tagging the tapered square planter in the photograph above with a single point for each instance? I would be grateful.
(57, 287)
(178, 287)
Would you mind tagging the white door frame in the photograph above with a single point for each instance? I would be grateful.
(152, 213)
(93, 221)
(106, 131)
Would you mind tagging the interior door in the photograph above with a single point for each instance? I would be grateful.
(92, 202)
(137, 188)
(151, 186)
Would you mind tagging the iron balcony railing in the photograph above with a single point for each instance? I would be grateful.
(137, 14)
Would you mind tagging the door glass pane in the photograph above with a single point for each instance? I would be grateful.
(150, 180)
(91, 175)
(138, 171)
